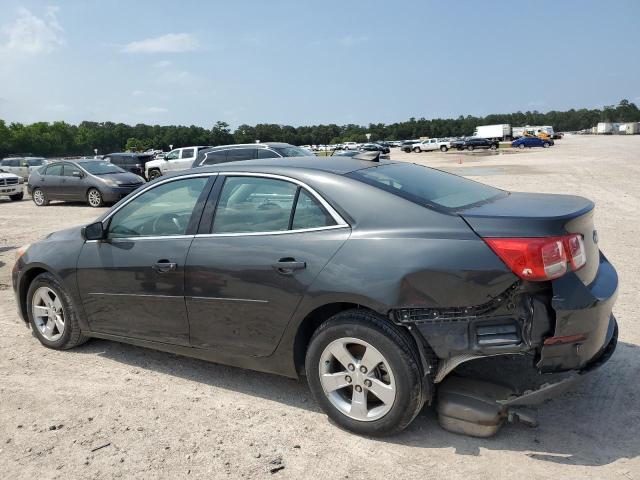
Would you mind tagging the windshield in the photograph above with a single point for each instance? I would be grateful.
(426, 186)
(294, 152)
(100, 167)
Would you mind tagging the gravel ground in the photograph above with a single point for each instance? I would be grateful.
(109, 410)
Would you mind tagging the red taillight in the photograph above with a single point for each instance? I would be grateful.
(540, 259)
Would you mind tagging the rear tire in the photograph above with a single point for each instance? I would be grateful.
(94, 198)
(65, 332)
(39, 198)
(470, 148)
(546, 145)
(392, 369)
(443, 148)
(521, 146)
(416, 150)
(493, 147)
(17, 196)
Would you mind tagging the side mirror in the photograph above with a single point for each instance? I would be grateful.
(77, 174)
(94, 231)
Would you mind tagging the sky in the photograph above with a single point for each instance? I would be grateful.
(309, 62)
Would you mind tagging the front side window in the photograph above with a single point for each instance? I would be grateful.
(291, 151)
(173, 155)
(254, 204)
(70, 170)
(266, 153)
(161, 211)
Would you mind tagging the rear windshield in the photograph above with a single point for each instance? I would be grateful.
(293, 152)
(426, 186)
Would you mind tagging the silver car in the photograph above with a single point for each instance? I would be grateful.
(22, 166)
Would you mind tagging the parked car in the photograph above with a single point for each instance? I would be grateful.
(374, 147)
(350, 145)
(176, 160)
(304, 267)
(407, 145)
(94, 181)
(130, 162)
(474, 143)
(11, 185)
(432, 144)
(22, 166)
(248, 151)
(529, 142)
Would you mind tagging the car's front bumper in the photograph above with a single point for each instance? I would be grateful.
(10, 189)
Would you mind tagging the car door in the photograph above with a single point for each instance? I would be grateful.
(51, 182)
(171, 159)
(132, 283)
(73, 185)
(248, 269)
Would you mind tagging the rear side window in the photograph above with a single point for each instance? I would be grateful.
(310, 214)
(188, 153)
(253, 204)
(212, 158)
(241, 154)
(426, 186)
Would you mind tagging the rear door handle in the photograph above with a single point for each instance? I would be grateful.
(164, 266)
(288, 265)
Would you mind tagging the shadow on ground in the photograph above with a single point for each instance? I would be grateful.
(593, 426)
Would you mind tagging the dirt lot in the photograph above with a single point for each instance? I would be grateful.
(163, 416)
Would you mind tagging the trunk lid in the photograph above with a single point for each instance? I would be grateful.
(538, 215)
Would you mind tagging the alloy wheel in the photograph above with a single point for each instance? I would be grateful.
(38, 197)
(357, 379)
(94, 198)
(48, 313)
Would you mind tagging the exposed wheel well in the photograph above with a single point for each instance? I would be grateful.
(24, 287)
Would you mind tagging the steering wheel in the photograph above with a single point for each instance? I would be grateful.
(268, 205)
(167, 224)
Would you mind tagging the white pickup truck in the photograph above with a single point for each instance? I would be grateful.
(176, 159)
(431, 144)
(11, 185)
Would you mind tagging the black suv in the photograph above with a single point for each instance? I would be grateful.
(131, 162)
(248, 151)
(474, 143)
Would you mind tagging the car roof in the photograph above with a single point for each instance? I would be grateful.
(255, 145)
(339, 165)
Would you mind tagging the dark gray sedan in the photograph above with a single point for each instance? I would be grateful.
(375, 280)
(94, 181)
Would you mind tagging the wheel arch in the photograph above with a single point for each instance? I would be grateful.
(26, 280)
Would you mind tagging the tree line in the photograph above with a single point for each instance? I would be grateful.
(63, 139)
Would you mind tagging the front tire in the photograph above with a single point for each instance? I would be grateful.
(470, 148)
(17, 196)
(53, 319)
(94, 198)
(493, 147)
(153, 174)
(521, 146)
(365, 373)
(443, 148)
(546, 145)
(416, 150)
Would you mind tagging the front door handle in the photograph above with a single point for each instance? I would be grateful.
(164, 266)
(288, 265)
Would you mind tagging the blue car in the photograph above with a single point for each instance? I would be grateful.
(531, 142)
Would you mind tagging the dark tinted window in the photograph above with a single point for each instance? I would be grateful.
(69, 169)
(426, 186)
(54, 169)
(253, 204)
(292, 151)
(309, 213)
(211, 158)
(266, 153)
(241, 154)
(187, 153)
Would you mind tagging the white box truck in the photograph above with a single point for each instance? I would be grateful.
(493, 132)
(604, 128)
